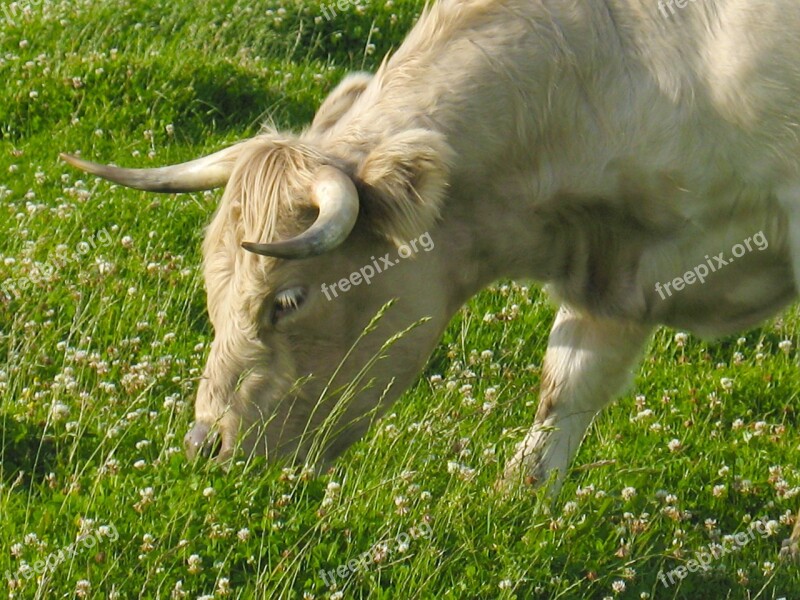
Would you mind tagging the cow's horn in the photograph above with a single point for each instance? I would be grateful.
(204, 173)
(337, 199)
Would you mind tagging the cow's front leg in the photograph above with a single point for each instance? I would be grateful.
(588, 362)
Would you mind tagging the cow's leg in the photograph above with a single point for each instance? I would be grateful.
(588, 361)
(791, 546)
(789, 199)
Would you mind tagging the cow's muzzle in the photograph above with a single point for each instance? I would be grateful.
(203, 440)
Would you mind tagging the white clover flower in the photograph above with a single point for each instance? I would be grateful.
(178, 591)
(195, 564)
(59, 411)
(223, 586)
(742, 577)
(772, 527)
(628, 493)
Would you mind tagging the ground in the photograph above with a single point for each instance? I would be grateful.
(103, 334)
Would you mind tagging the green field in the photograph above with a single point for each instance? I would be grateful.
(104, 333)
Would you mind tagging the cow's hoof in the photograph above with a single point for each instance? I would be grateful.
(201, 440)
(790, 551)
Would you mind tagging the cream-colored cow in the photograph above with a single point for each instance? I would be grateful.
(608, 149)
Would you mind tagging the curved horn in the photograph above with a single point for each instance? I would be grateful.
(336, 196)
(204, 173)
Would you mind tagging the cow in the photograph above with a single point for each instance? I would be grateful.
(615, 151)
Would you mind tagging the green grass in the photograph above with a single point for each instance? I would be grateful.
(100, 363)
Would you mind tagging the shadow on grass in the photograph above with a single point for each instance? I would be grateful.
(24, 448)
(29, 452)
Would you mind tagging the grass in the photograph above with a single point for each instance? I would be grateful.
(100, 360)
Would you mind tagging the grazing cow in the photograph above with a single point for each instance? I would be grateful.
(642, 161)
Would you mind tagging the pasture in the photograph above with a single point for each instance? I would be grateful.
(104, 334)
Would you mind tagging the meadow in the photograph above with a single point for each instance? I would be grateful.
(104, 333)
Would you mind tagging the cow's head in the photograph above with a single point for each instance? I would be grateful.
(289, 358)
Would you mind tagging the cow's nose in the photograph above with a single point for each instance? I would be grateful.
(201, 439)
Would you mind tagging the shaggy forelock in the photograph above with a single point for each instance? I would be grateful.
(266, 199)
(271, 182)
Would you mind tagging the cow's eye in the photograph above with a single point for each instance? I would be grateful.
(287, 302)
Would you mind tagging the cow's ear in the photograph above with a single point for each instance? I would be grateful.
(340, 100)
(403, 183)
